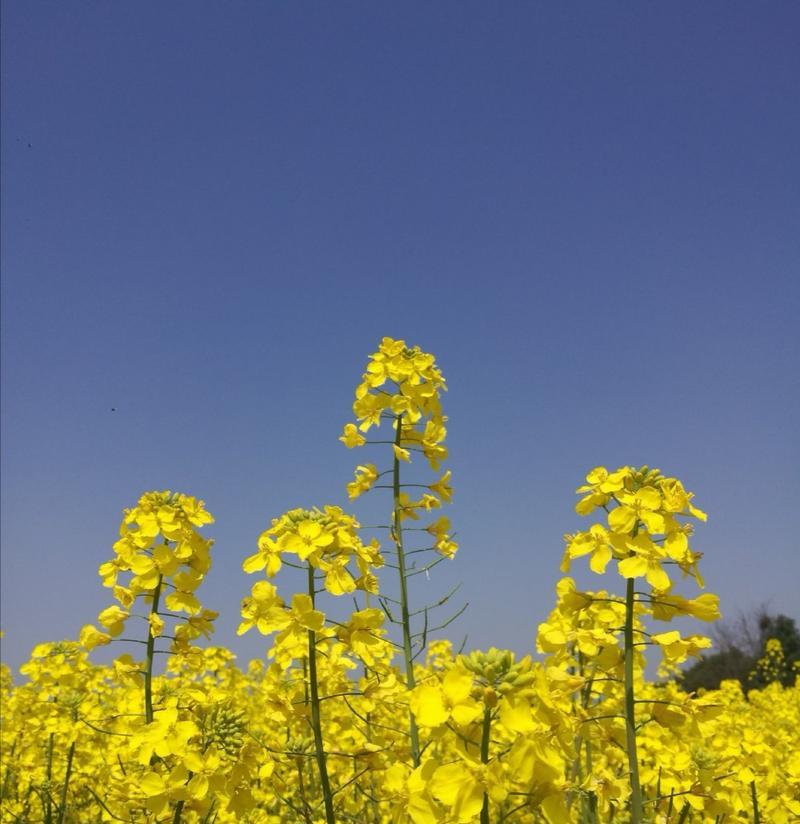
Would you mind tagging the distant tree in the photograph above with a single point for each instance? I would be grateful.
(711, 670)
(780, 653)
(784, 630)
(743, 653)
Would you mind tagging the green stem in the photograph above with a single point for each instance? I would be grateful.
(630, 704)
(306, 702)
(756, 814)
(316, 722)
(7, 776)
(576, 771)
(591, 798)
(397, 534)
(485, 738)
(368, 722)
(62, 809)
(151, 645)
(178, 810)
(301, 785)
(48, 805)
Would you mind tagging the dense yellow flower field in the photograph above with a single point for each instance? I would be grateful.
(344, 723)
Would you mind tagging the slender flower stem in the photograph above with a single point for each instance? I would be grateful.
(316, 722)
(485, 739)
(397, 534)
(148, 671)
(176, 819)
(7, 777)
(756, 813)
(302, 787)
(48, 804)
(630, 708)
(62, 808)
(591, 798)
(307, 701)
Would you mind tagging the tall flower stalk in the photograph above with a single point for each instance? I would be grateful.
(645, 535)
(405, 618)
(159, 548)
(403, 385)
(316, 721)
(325, 544)
(630, 706)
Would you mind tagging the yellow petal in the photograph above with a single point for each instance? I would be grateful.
(427, 704)
(152, 784)
(633, 567)
(254, 563)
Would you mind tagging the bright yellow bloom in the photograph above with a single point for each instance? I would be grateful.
(263, 610)
(645, 561)
(442, 487)
(401, 454)
(113, 619)
(351, 437)
(91, 637)
(366, 476)
(640, 506)
(306, 539)
(596, 542)
(434, 703)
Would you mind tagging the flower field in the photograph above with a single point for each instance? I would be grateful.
(362, 711)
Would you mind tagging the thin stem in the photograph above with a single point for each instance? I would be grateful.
(48, 805)
(301, 786)
(178, 810)
(62, 809)
(591, 797)
(485, 739)
(630, 708)
(756, 813)
(148, 671)
(316, 722)
(397, 535)
(7, 776)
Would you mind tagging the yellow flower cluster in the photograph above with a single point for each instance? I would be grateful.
(773, 666)
(342, 723)
(236, 744)
(403, 385)
(159, 549)
(644, 531)
(328, 540)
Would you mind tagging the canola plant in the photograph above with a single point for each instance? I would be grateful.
(348, 720)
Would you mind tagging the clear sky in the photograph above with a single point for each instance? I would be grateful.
(212, 212)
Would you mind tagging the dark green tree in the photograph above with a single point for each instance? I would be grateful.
(740, 646)
(711, 670)
(785, 666)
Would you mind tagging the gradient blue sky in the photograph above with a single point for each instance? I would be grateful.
(213, 211)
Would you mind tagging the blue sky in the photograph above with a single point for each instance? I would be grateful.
(213, 212)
